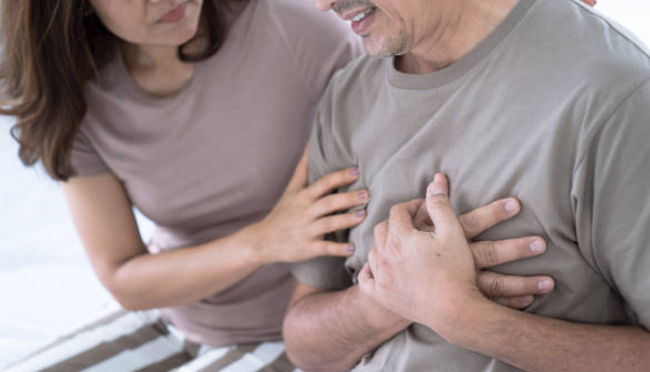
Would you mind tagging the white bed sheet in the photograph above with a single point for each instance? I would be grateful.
(47, 287)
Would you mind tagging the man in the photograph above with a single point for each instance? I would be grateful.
(544, 100)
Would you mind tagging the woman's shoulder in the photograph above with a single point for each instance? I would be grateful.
(298, 19)
(318, 43)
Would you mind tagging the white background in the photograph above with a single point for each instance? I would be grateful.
(46, 284)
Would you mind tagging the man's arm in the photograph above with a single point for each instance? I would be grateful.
(331, 331)
(534, 343)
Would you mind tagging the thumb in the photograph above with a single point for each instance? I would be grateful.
(299, 179)
(366, 280)
(439, 206)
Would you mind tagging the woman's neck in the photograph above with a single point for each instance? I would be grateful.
(156, 69)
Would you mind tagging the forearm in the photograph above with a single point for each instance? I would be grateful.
(331, 331)
(534, 343)
(184, 275)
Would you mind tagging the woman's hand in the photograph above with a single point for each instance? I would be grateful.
(294, 229)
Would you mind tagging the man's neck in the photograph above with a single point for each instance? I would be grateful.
(462, 26)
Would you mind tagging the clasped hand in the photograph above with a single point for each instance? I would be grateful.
(424, 269)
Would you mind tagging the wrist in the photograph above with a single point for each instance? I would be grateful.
(467, 320)
(377, 316)
(251, 239)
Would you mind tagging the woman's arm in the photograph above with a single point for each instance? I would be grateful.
(138, 280)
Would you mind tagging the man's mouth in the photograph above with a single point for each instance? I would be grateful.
(361, 15)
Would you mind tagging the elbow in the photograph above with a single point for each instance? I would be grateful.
(291, 337)
(304, 354)
(127, 302)
(123, 289)
(288, 335)
(131, 304)
(127, 299)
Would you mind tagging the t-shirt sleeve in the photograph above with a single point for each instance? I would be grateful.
(320, 44)
(322, 272)
(611, 199)
(84, 157)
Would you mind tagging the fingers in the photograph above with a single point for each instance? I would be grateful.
(381, 234)
(487, 216)
(498, 285)
(401, 216)
(520, 302)
(340, 202)
(366, 280)
(372, 262)
(339, 222)
(333, 181)
(439, 207)
(299, 179)
(328, 248)
(422, 221)
(488, 254)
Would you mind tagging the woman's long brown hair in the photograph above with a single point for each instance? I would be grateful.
(50, 49)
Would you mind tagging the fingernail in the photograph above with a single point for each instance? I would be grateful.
(537, 246)
(354, 171)
(511, 206)
(545, 285)
(351, 248)
(437, 189)
(361, 213)
(363, 195)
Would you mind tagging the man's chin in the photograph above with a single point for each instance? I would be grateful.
(382, 48)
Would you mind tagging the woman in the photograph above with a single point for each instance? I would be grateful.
(194, 112)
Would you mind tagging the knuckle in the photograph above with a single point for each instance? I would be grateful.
(328, 249)
(377, 229)
(334, 249)
(487, 255)
(471, 223)
(439, 200)
(329, 225)
(372, 255)
(329, 182)
(497, 287)
(340, 177)
(327, 205)
(352, 198)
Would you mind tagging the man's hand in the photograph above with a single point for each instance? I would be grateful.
(332, 330)
(426, 277)
(516, 292)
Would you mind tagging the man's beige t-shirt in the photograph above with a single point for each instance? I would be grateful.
(552, 108)
(217, 156)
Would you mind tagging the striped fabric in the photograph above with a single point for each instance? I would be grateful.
(141, 342)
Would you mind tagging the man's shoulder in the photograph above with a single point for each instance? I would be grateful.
(361, 77)
(596, 45)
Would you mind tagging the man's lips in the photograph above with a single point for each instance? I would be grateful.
(349, 15)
